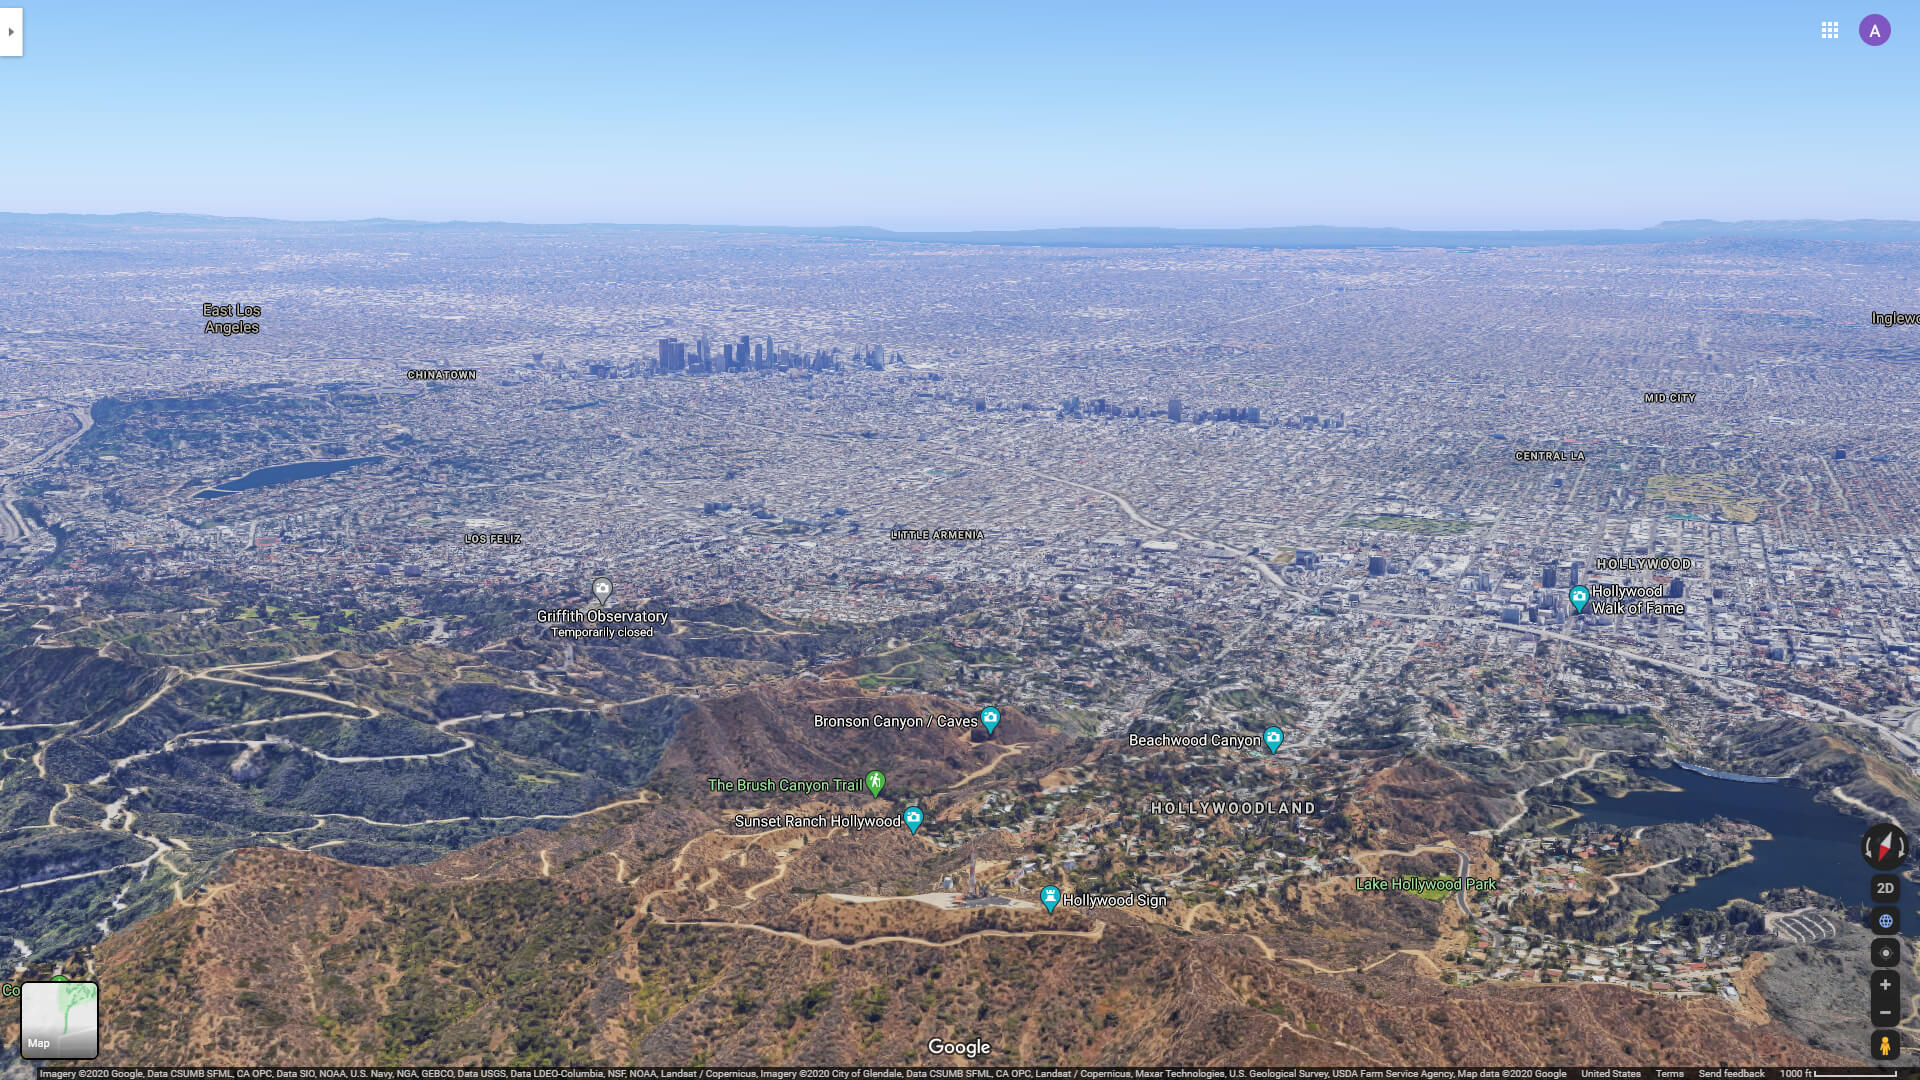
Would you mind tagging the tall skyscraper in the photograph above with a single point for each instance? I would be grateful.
(673, 355)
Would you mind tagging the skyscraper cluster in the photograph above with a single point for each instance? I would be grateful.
(703, 356)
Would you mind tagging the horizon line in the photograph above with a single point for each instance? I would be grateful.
(1281, 236)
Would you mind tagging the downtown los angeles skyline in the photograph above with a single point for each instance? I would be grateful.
(995, 118)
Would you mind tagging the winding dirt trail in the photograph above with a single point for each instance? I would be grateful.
(1415, 953)
(679, 881)
(1592, 759)
(160, 849)
(1613, 880)
(1007, 752)
(1423, 849)
(1099, 929)
(644, 798)
(1843, 797)
(1186, 921)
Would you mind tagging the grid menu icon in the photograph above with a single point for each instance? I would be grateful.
(1829, 31)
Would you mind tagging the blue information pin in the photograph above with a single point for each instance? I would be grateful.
(1050, 896)
(990, 718)
(1274, 738)
(1579, 596)
(912, 816)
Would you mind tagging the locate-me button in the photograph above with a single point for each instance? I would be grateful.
(13, 32)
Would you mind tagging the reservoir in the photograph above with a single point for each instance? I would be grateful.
(281, 474)
(1814, 845)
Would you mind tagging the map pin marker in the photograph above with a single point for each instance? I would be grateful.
(1274, 738)
(1578, 596)
(875, 781)
(1050, 896)
(912, 816)
(990, 718)
(602, 589)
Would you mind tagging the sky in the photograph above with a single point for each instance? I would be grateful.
(964, 115)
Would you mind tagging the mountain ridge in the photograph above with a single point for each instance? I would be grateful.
(1869, 230)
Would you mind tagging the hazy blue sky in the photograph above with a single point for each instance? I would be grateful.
(964, 115)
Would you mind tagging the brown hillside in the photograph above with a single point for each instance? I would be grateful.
(656, 932)
(769, 731)
(1419, 800)
(578, 945)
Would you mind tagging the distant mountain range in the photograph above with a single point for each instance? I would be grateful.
(1291, 236)
(1340, 236)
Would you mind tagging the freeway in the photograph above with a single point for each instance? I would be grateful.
(1905, 746)
(1244, 555)
(14, 526)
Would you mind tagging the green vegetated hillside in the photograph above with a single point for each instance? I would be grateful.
(147, 736)
(125, 775)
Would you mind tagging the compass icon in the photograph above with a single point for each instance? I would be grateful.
(1884, 846)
